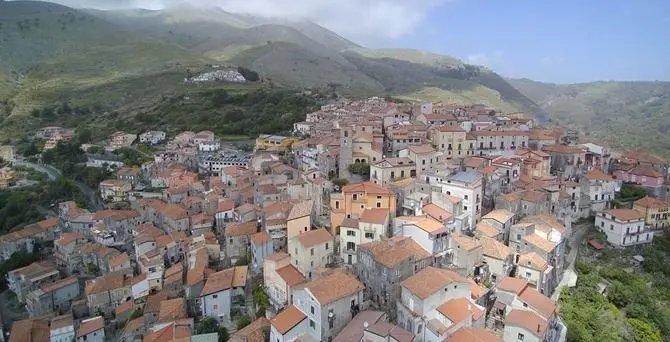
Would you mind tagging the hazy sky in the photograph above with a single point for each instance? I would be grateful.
(560, 41)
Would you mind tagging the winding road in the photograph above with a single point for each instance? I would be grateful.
(93, 201)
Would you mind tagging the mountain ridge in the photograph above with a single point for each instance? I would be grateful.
(125, 48)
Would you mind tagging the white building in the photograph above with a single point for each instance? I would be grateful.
(466, 185)
(624, 227)
(91, 330)
(61, 329)
(371, 226)
(152, 137)
(209, 146)
(311, 251)
(216, 297)
(329, 302)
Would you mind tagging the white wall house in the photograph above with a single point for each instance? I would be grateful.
(91, 330)
(466, 185)
(371, 226)
(209, 146)
(216, 297)
(624, 227)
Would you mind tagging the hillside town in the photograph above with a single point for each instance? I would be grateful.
(372, 221)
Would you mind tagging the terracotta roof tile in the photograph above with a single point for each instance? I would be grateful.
(459, 309)
(366, 187)
(336, 284)
(533, 260)
(241, 229)
(375, 216)
(30, 330)
(431, 279)
(485, 229)
(436, 212)
(314, 237)
(495, 249)
(224, 280)
(172, 309)
(597, 174)
(395, 250)
(287, 319)
(473, 335)
(514, 285)
(254, 332)
(540, 242)
(466, 242)
(499, 215)
(90, 325)
(291, 275)
(527, 320)
(260, 238)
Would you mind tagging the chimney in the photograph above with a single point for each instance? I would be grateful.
(538, 328)
(365, 325)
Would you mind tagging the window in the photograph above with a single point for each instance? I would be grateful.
(331, 325)
(231, 240)
(215, 307)
(351, 233)
(465, 207)
(518, 237)
(379, 197)
(337, 204)
(379, 204)
(326, 245)
(351, 246)
(311, 252)
(611, 227)
(465, 197)
(312, 324)
(423, 162)
(215, 296)
(354, 197)
(311, 309)
(369, 235)
(602, 224)
(520, 337)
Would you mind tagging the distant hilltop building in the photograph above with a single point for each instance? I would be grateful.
(217, 76)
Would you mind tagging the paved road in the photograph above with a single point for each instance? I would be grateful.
(93, 201)
(570, 275)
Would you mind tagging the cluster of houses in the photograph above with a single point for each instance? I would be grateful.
(217, 76)
(458, 232)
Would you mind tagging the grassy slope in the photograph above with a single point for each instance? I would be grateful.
(60, 54)
(293, 65)
(631, 115)
(411, 55)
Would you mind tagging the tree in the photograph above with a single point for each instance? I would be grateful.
(243, 321)
(644, 331)
(224, 336)
(137, 313)
(16, 260)
(362, 169)
(340, 182)
(207, 325)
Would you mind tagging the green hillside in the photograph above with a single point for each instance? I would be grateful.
(413, 56)
(51, 53)
(97, 63)
(629, 115)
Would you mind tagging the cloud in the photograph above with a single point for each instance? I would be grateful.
(485, 59)
(359, 20)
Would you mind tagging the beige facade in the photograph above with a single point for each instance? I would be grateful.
(356, 198)
(390, 169)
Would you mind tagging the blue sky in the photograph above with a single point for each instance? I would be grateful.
(563, 41)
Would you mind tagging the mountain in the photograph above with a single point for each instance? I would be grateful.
(629, 115)
(120, 65)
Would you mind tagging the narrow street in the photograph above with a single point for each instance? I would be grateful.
(570, 275)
